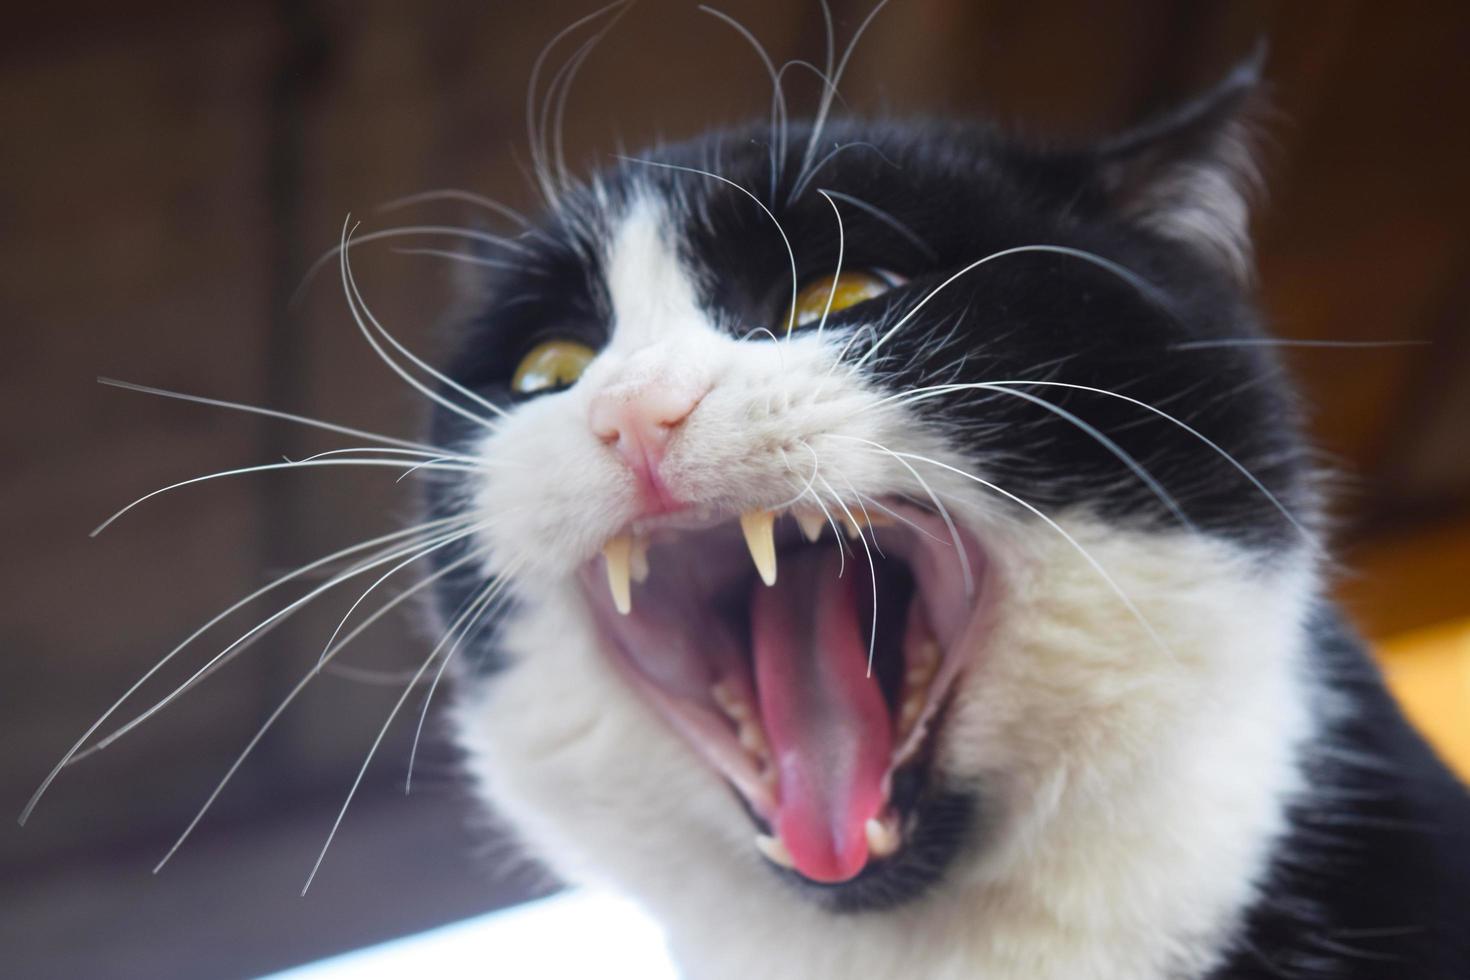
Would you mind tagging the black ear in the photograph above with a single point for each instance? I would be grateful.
(1190, 173)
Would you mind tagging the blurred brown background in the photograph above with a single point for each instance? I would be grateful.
(169, 171)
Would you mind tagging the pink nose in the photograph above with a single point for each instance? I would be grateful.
(639, 423)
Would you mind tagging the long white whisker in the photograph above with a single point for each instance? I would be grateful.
(778, 93)
(1240, 467)
(355, 302)
(872, 570)
(1086, 555)
(841, 249)
(239, 644)
(1288, 342)
(809, 481)
(1132, 278)
(454, 194)
(465, 259)
(148, 674)
(887, 219)
(499, 593)
(790, 254)
(966, 573)
(434, 545)
(1107, 443)
(290, 465)
(406, 231)
(536, 137)
(269, 413)
(825, 106)
(489, 592)
(280, 710)
(420, 453)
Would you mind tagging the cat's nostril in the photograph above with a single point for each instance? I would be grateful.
(641, 421)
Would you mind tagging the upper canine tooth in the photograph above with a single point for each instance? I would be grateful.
(811, 523)
(851, 526)
(616, 554)
(760, 538)
(638, 559)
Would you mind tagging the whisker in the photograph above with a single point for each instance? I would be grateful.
(1107, 443)
(239, 644)
(290, 465)
(148, 674)
(535, 137)
(454, 194)
(966, 573)
(355, 302)
(465, 259)
(825, 106)
(488, 594)
(280, 710)
(269, 413)
(1288, 342)
(565, 78)
(500, 593)
(431, 456)
(872, 571)
(1133, 279)
(872, 209)
(435, 545)
(841, 248)
(406, 231)
(779, 110)
(1240, 467)
(1086, 555)
(832, 154)
(790, 255)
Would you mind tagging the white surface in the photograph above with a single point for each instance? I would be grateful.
(573, 935)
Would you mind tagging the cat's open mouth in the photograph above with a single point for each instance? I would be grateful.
(807, 658)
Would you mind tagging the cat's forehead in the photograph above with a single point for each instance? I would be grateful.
(650, 288)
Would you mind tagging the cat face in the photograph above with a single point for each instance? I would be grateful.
(894, 524)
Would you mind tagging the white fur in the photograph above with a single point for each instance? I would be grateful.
(1129, 794)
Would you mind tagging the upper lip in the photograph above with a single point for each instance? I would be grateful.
(679, 653)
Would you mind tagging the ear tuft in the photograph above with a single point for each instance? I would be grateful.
(1190, 174)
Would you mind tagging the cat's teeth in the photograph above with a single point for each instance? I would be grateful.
(909, 711)
(730, 703)
(774, 850)
(811, 523)
(883, 836)
(753, 740)
(638, 559)
(617, 554)
(851, 527)
(760, 538)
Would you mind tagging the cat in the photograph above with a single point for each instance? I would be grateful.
(909, 563)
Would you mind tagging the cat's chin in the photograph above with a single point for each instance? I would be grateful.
(808, 658)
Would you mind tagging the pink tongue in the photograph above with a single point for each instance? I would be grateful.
(826, 719)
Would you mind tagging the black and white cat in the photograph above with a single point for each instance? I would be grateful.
(915, 573)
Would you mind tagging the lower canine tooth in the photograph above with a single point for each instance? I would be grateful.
(616, 554)
(760, 538)
(883, 837)
(774, 850)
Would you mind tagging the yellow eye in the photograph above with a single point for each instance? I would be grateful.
(851, 289)
(551, 364)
